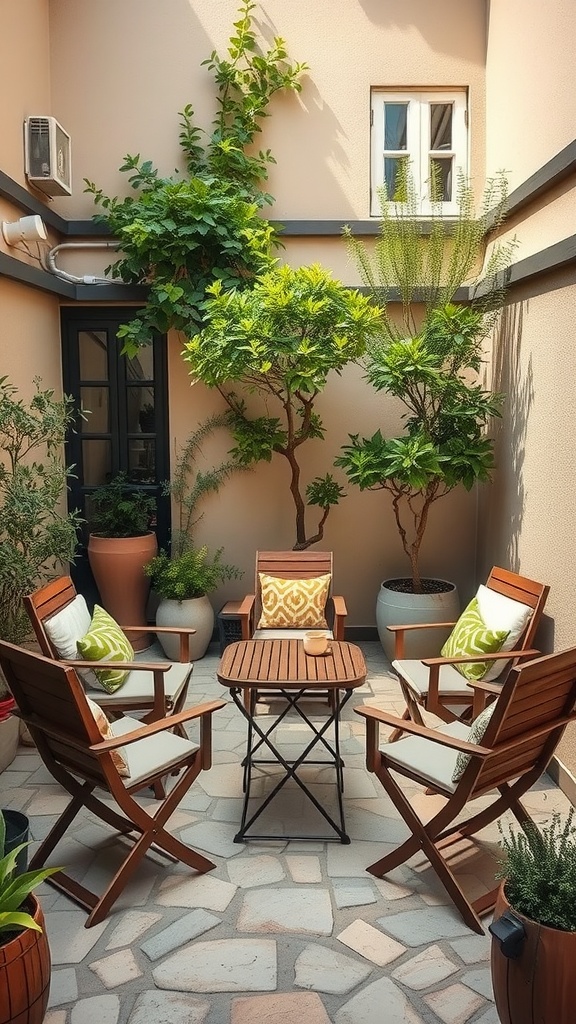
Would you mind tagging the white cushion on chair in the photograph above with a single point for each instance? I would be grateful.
(153, 754)
(501, 612)
(434, 763)
(286, 634)
(65, 628)
(139, 686)
(417, 677)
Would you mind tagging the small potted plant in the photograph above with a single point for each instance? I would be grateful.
(24, 952)
(120, 544)
(183, 584)
(534, 928)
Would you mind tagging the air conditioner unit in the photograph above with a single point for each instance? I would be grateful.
(47, 156)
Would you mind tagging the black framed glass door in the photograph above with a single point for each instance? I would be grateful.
(121, 423)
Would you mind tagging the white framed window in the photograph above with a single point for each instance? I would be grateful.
(424, 128)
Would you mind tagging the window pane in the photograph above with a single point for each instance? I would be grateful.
(95, 403)
(141, 367)
(440, 126)
(395, 124)
(441, 179)
(140, 410)
(93, 349)
(142, 461)
(395, 178)
(97, 462)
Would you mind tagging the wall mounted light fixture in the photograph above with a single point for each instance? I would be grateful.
(27, 229)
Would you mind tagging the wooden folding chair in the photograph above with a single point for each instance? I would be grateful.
(434, 684)
(155, 687)
(535, 706)
(52, 702)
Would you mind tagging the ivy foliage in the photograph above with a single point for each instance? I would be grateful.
(430, 357)
(180, 234)
(280, 339)
(539, 871)
(35, 534)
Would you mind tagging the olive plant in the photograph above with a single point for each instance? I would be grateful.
(280, 339)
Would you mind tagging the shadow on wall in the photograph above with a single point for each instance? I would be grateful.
(505, 501)
(436, 22)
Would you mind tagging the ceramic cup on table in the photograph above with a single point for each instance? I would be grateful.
(316, 642)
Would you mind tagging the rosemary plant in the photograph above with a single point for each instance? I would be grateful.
(539, 870)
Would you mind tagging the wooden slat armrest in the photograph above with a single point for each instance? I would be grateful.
(141, 666)
(479, 684)
(161, 725)
(246, 616)
(420, 625)
(384, 718)
(246, 605)
(187, 630)
(339, 605)
(464, 658)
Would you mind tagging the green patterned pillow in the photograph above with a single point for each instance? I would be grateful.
(471, 636)
(105, 641)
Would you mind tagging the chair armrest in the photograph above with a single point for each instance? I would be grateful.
(184, 632)
(463, 659)
(161, 725)
(246, 616)
(406, 725)
(399, 631)
(340, 613)
(140, 666)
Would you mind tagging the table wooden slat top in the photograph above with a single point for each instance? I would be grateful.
(284, 663)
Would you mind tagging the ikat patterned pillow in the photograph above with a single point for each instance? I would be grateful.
(297, 604)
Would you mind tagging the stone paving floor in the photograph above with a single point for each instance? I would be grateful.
(282, 931)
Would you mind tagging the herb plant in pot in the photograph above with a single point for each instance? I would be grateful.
(24, 952)
(120, 544)
(428, 355)
(534, 927)
(183, 584)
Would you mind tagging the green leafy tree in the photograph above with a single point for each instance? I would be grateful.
(35, 536)
(430, 356)
(180, 234)
(280, 339)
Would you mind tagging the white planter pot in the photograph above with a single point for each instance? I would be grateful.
(9, 733)
(196, 613)
(395, 608)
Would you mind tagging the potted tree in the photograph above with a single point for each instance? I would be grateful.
(429, 359)
(280, 339)
(120, 544)
(24, 950)
(534, 927)
(183, 583)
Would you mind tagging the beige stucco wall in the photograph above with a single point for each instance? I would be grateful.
(30, 343)
(24, 76)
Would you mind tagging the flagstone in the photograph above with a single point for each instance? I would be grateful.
(116, 969)
(213, 837)
(70, 940)
(131, 926)
(224, 965)
(104, 1009)
(354, 892)
(425, 969)
(307, 911)
(374, 1001)
(454, 1005)
(304, 868)
(472, 949)
(480, 980)
(199, 891)
(417, 927)
(186, 928)
(161, 1007)
(371, 943)
(223, 780)
(63, 987)
(281, 1008)
(351, 861)
(325, 970)
(248, 872)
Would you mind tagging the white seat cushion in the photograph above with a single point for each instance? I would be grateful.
(158, 753)
(286, 634)
(434, 763)
(139, 686)
(417, 676)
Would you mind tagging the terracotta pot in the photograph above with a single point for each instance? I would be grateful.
(196, 613)
(117, 564)
(25, 973)
(397, 607)
(539, 987)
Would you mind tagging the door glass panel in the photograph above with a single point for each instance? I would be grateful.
(93, 351)
(395, 125)
(141, 366)
(441, 179)
(95, 405)
(142, 460)
(140, 410)
(440, 126)
(395, 179)
(96, 462)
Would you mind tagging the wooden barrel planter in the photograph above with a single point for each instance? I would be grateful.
(539, 986)
(25, 973)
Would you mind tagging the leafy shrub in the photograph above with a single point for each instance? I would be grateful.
(118, 510)
(539, 870)
(192, 574)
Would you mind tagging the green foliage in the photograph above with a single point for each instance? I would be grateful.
(14, 888)
(429, 359)
(35, 536)
(189, 485)
(539, 870)
(280, 339)
(180, 234)
(118, 510)
(192, 574)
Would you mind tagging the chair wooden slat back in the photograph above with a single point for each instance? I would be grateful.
(291, 565)
(52, 702)
(535, 694)
(43, 603)
(520, 588)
